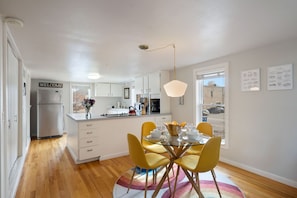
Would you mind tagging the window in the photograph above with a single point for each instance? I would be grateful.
(212, 98)
(79, 92)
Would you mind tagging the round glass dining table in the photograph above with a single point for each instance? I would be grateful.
(176, 147)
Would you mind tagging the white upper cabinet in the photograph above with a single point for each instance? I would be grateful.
(109, 90)
(116, 90)
(102, 89)
(139, 85)
(148, 84)
(154, 83)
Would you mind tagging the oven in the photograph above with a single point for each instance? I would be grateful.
(155, 105)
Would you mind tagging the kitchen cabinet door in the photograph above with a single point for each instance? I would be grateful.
(154, 83)
(109, 90)
(139, 85)
(102, 89)
(116, 90)
(146, 88)
(142, 85)
(160, 120)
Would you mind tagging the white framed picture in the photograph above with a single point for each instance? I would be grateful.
(250, 80)
(280, 77)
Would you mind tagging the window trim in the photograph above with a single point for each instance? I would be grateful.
(197, 97)
(71, 94)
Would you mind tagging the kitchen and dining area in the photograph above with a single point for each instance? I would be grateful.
(148, 99)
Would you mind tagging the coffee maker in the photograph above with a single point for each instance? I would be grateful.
(144, 105)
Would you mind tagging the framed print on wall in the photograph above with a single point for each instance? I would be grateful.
(126, 93)
(280, 77)
(250, 80)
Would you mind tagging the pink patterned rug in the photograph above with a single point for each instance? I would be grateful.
(183, 190)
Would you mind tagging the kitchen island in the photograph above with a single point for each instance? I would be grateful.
(102, 137)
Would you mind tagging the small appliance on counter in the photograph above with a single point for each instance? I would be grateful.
(144, 105)
(132, 111)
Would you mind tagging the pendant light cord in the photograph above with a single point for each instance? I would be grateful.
(173, 45)
(146, 48)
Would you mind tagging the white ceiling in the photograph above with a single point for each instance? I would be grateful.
(67, 39)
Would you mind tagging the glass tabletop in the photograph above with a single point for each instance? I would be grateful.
(168, 140)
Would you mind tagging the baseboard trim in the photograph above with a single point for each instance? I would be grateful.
(18, 169)
(261, 172)
(105, 157)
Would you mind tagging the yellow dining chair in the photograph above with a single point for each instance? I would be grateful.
(204, 162)
(146, 129)
(148, 161)
(206, 129)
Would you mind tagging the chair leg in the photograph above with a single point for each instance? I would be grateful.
(190, 178)
(145, 188)
(214, 178)
(154, 175)
(168, 181)
(156, 171)
(197, 181)
(176, 177)
(131, 179)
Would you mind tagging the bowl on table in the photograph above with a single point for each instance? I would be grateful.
(192, 136)
(155, 133)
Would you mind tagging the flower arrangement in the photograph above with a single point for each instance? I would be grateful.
(88, 103)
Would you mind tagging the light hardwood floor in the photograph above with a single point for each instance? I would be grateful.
(49, 172)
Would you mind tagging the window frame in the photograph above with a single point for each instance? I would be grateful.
(89, 85)
(197, 97)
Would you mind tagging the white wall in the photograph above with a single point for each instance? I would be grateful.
(263, 124)
(2, 178)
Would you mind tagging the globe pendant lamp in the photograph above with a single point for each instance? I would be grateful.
(175, 88)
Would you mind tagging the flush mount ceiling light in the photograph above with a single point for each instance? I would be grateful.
(174, 88)
(93, 76)
(14, 21)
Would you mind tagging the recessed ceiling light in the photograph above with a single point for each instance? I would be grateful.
(93, 76)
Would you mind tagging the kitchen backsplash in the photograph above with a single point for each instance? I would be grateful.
(102, 104)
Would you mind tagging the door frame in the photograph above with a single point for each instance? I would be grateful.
(9, 184)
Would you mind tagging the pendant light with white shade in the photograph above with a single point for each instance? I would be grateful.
(174, 88)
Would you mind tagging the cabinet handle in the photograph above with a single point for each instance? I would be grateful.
(89, 132)
(89, 150)
(90, 141)
(88, 125)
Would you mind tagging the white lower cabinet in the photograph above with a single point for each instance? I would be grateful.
(89, 152)
(104, 138)
(160, 120)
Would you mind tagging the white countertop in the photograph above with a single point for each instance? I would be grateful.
(82, 116)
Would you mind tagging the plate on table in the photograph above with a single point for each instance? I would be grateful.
(150, 138)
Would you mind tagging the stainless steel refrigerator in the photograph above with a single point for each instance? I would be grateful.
(50, 113)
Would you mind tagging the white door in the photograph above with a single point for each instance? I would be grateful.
(12, 91)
